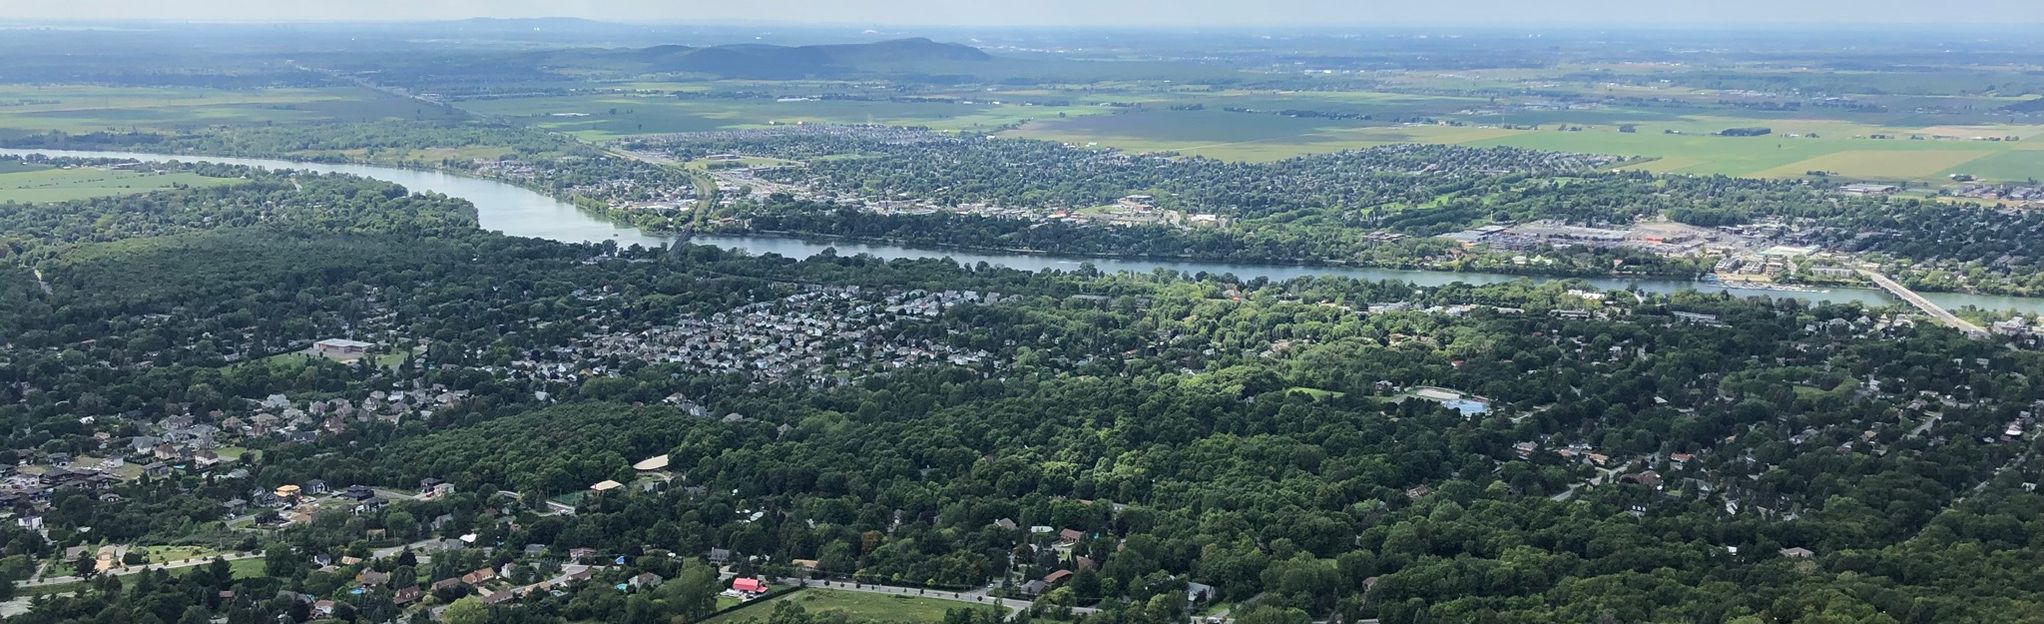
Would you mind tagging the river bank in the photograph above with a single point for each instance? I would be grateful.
(518, 211)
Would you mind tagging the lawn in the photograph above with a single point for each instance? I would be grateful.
(65, 184)
(175, 554)
(855, 605)
(241, 569)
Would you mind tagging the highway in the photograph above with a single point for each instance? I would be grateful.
(1942, 316)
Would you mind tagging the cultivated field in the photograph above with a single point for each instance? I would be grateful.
(608, 116)
(83, 108)
(1671, 143)
(35, 184)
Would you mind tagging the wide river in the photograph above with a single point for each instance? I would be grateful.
(521, 212)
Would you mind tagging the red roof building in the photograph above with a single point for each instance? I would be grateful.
(749, 585)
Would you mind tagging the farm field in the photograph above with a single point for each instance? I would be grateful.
(1240, 136)
(1841, 147)
(83, 108)
(857, 605)
(609, 116)
(47, 184)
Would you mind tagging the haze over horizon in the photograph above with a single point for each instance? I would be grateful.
(1082, 13)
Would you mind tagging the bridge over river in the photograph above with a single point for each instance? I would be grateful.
(1936, 312)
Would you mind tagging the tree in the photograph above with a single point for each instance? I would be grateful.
(468, 610)
(692, 594)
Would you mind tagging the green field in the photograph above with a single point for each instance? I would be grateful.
(81, 108)
(241, 569)
(48, 184)
(856, 605)
(1240, 136)
(608, 116)
(1841, 147)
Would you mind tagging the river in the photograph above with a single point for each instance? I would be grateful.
(517, 211)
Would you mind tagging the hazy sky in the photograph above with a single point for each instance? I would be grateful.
(1131, 13)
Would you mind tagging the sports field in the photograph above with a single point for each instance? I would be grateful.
(37, 184)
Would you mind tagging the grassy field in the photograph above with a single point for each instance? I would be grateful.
(1240, 136)
(48, 184)
(241, 568)
(1845, 148)
(856, 605)
(608, 116)
(176, 554)
(83, 108)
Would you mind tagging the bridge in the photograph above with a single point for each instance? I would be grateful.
(1944, 317)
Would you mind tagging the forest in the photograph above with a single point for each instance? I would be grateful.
(1639, 457)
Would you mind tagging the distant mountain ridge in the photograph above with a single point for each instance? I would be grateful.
(753, 60)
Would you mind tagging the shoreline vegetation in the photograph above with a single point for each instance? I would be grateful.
(624, 218)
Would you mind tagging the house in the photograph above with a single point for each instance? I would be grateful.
(1054, 578)
(479, 577)
(1035, 588)
(1005, 524)
(1070, 536)
(446, 584)
(1797, 552)
(32, 523)
(605, 486)
(323, 607)
(372, 578)
(234, 507)
(406, 596)
(359, 492)
(535, 550)
(578, 554)
(720, 555)
(499, 598)
(645, 580)
(1647, 478)
(748, 585)
(341, 349)
(1199, 592)
(315, 486)
(156, 470)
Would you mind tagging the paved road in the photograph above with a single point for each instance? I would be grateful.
(977, 595)
(1602, 474)
(1936, 312)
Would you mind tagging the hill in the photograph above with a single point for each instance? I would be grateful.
(768, 61)
(2026, 106)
